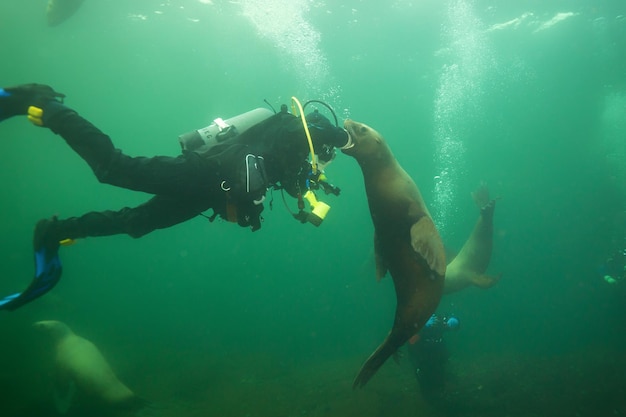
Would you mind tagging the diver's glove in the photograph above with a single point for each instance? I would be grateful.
(433, 321)
(27, 99)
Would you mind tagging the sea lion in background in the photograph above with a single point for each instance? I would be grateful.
(469, 266)
(80, 367)
(60, 10)
(406, 241)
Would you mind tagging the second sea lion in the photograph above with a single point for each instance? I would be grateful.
(469, 266)
(80, 368)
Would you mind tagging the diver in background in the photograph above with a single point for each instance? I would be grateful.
(429, 355)
(230, 175)
(614, 269)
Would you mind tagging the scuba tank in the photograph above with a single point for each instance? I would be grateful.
(221, 130)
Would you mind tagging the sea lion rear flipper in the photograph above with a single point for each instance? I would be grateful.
(381, 268)
(483, 202)
(485, 281)
(64, 396)
(481, 195)
(427, 243)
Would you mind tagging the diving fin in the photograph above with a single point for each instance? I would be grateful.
(47, 273)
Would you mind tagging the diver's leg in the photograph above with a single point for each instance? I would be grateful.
(157, 213)
(158, 175)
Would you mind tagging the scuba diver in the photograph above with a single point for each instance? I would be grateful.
(429, 354)
(227, 166)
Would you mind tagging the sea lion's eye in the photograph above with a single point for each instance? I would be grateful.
(363, 129)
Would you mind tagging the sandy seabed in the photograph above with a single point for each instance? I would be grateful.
(584, 383)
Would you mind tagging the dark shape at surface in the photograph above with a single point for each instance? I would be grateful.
(61, 10)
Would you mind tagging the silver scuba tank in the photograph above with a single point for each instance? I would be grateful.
(221, 130)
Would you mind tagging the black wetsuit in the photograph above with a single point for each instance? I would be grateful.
(183, 186)
(429, 356)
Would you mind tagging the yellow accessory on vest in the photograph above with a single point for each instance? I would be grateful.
(319, 209)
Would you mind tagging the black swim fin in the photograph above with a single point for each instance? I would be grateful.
(47, 273)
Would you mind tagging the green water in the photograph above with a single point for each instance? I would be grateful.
(211, 319)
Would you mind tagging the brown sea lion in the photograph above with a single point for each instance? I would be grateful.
(469, 266)
(406, 241)
(59, 11)
(80, 368)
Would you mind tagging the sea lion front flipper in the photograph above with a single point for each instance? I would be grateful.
(381, 268)
(426, 242)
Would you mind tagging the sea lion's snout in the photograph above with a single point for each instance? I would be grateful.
(42, 324)
(364, 141)
(54, 328)
(348, 125)
(350, 143)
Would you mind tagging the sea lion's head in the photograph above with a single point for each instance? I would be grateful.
(53, 328)
(367, 144)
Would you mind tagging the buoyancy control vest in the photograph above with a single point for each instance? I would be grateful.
(240, 169)
(236, 148)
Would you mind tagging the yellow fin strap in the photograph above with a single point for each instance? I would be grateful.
(67, 242)
(306, 130)
(35, 115)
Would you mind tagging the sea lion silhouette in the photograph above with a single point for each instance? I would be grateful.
(58, 11)
(81, 368)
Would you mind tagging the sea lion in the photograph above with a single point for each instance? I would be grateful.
(80, 367)
(59, 11)
(469, 266)
(406, 241)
